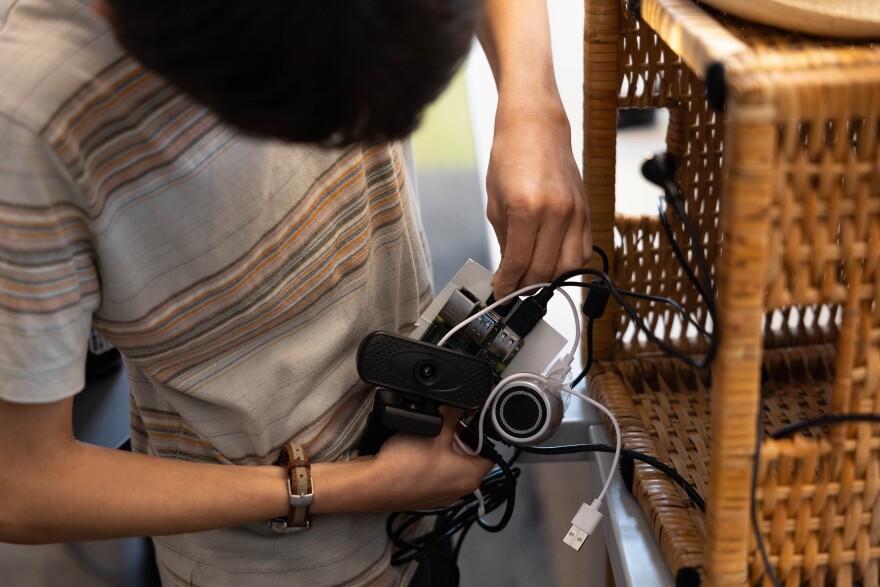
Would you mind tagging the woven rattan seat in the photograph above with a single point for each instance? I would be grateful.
(664, 411)
(775, 136)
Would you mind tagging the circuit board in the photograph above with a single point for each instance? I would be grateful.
(485, 337)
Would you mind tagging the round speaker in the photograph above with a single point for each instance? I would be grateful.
(524, 414)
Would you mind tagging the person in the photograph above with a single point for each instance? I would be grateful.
(219, 189)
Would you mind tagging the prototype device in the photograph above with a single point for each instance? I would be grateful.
(414, 376)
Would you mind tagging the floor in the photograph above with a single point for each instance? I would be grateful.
(451, 150)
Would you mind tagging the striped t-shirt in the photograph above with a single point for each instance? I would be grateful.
(236, 275)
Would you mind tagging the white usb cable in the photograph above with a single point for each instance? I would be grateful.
(585, 521)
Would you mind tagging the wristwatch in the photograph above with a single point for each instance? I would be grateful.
(301, 491)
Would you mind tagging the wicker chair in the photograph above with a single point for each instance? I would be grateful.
(776, 138)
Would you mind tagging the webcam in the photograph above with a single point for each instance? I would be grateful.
(412, 379)
(423, 370)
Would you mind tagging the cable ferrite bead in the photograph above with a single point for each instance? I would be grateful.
(596, 299)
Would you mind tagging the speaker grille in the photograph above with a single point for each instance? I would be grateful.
(520, 412)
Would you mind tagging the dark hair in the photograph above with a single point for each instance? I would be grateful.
(322, 71)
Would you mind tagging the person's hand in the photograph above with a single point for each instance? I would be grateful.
(537, 205)
(425, 472)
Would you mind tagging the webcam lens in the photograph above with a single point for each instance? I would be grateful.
(426, 373)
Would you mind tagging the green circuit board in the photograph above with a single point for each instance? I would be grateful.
(485, 336)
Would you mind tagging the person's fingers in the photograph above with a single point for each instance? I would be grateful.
(517, 255)
(498, 220)
(556, 223)
(587, 239)
(450, 414)
(573, 252)
(451, 417)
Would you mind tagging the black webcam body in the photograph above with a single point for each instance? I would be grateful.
(412, 378)
(424, 370)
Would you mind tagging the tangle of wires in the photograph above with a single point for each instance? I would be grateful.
(415, 543)
(660, 171)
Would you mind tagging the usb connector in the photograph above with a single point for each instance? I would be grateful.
(583, 524)
(575, 537)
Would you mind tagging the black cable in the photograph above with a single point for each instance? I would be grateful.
(753, 503)
(647, 459)
(704, 286)
(659, 169)
(456, 551)
(510, 499)
(790, 429)
(589, 359)
(543, 296)
(451, 519)
(698, 363)
(685, 315)
(658, 299)
(497, 488)
(679, 255)
(605, 265)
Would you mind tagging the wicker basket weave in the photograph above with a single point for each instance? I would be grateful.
(779, 164)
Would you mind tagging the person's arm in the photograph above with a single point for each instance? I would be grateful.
(56, 489)
(537, 204)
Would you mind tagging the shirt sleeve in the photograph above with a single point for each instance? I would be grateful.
(49, 284)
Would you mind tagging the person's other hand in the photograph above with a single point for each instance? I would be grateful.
(536, 200)
(425, 472)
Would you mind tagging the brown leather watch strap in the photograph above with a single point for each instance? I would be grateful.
(300, 489)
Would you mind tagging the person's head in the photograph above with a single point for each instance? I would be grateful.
(323, 71)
